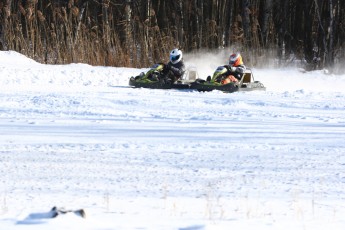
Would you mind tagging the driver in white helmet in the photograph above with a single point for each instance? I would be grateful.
(175, 68)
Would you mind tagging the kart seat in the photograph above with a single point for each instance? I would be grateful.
(247, 77)
(191, 74)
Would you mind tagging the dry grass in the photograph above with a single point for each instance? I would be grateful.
(125, 33)
(80, 32)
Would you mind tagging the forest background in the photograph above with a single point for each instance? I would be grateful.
(138, 33)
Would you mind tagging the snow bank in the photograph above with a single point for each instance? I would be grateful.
(76, 136)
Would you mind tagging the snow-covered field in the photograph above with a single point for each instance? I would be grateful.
(76, 136)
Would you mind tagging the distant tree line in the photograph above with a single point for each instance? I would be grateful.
(139, 32)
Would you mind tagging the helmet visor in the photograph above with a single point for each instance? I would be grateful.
(175, 58)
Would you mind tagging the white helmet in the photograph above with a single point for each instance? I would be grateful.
(175, 56)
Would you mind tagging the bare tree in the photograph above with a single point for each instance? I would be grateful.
(139, 32)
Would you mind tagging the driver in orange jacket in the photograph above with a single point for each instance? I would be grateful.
(236, 69)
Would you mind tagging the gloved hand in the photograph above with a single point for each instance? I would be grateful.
(166, 67)
(230, 68)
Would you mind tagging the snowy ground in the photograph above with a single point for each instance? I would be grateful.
(76, 136)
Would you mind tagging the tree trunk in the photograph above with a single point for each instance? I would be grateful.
(128, 31)
(180, 25)
(246, 22)
(201, 23)
(321, 35)
(330, 48)
(4, 25)
(229, 16)
(267, 11)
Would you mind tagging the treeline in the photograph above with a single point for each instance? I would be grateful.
(139, 32)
